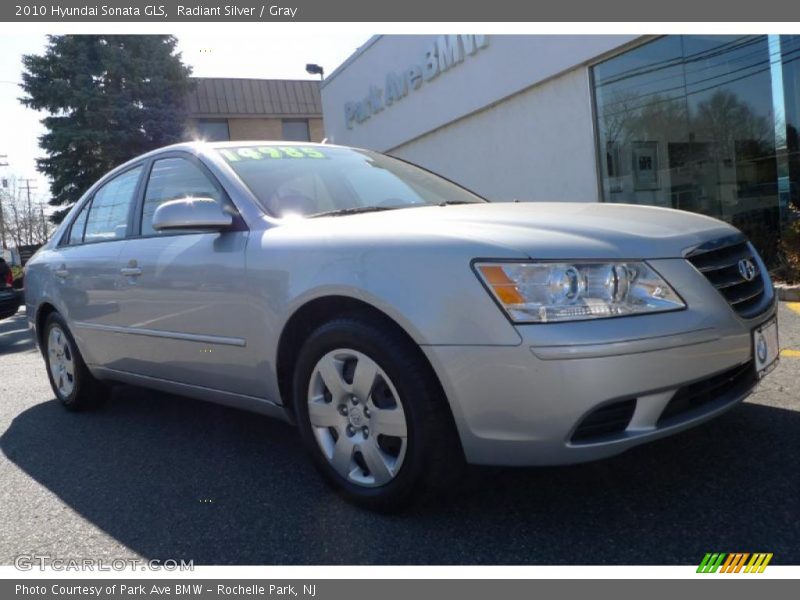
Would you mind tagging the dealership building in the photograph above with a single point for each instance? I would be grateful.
(701, 123)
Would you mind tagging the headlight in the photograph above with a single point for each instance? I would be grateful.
(543, 292)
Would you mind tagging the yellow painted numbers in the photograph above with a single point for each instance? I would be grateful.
(270, 152)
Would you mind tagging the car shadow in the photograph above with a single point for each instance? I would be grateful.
(15, 335)
(174, 478)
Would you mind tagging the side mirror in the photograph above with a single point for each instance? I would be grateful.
(191, 213)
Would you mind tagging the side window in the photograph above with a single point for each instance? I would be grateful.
(76, 230)
(108, 215)
(172, 179)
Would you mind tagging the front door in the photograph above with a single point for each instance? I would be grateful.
(186, 307)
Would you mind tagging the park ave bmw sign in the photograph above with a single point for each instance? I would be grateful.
(444, 53)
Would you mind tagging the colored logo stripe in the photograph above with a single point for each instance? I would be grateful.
(758, 563)
(734, 562)
(711, 562)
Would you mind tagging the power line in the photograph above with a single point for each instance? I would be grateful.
(686, 75)
(657, 93)
(763, 66)
(774, 58)
(682, 60)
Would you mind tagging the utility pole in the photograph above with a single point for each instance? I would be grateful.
(29, 226)
(43, 222)
(4, 182)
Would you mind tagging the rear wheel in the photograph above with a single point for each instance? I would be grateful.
(372, 415)
(72, 383)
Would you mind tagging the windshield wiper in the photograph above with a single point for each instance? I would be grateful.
(351, 211)
(366, 209)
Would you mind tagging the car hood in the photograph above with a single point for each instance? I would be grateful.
(543, 230)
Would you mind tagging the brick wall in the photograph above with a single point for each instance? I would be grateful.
(255, 129)
(261, 129)
(316, 130)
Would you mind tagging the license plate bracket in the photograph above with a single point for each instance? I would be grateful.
(766, 348)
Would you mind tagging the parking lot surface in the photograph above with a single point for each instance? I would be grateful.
(158, 476)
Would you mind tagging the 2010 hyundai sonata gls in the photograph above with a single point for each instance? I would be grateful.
(403, 323)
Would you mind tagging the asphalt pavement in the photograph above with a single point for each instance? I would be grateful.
(157, 476)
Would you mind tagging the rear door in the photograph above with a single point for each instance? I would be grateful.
(186, 307)
(86, 267)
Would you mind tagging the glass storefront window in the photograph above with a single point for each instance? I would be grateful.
(790, 58)
(688, 122)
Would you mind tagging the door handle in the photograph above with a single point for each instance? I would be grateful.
(61, 272)
(132, 270)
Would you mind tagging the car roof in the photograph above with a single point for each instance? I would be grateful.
(198, 147)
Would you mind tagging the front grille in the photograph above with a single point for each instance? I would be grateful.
(721, 389)
(609, 419)
(719, 262)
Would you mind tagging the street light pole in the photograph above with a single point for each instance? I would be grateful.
(313, 69)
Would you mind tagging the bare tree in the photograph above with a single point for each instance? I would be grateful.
(24, 221)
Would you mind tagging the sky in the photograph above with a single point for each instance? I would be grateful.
(266, 56)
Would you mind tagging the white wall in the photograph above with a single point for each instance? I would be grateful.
(509, 64)
(537, 145)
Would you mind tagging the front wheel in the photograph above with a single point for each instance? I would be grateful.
(372, 415)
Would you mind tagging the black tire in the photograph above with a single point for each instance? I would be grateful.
(433, 458)
(86, 391)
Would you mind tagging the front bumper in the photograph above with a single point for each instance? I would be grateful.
(523, 405)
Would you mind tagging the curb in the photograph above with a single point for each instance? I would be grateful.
(788, 293)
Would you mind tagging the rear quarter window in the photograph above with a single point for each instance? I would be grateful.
(77, 227)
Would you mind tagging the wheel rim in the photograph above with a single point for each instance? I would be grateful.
(357, 418)
(60, 361)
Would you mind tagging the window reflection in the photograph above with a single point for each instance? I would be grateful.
(109, 209)
(790, 57)
(174, 179)
(687, 122)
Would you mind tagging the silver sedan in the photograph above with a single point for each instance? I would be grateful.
(406, 325)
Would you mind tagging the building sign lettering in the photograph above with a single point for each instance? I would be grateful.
(444, 53)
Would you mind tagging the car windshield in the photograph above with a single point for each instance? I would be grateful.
(320, 180)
